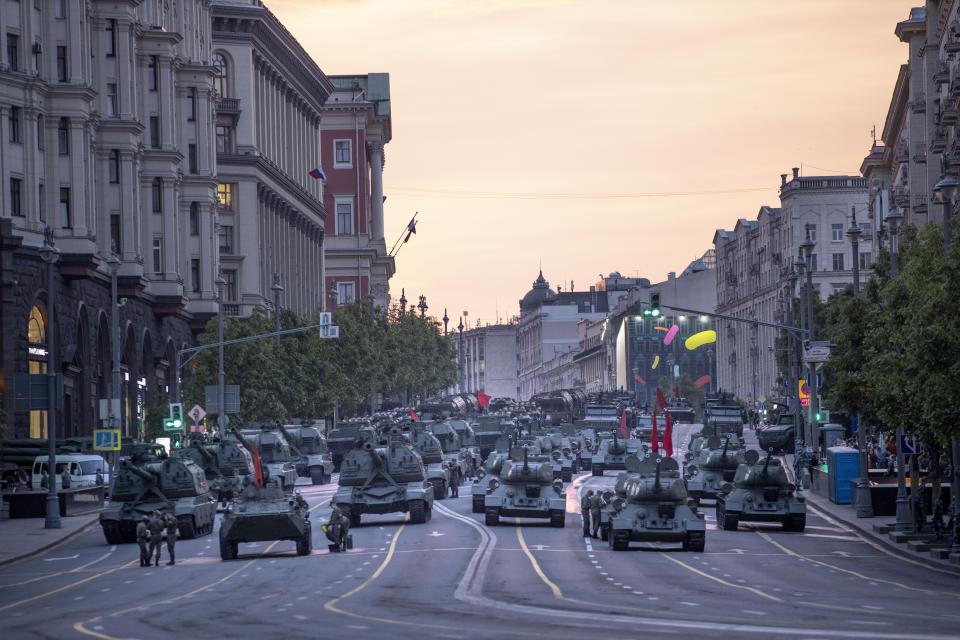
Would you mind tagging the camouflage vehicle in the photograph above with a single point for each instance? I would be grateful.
(488, 473)
(265, 513)
(225, 464)
(146, 482)
(428, 446)
(344, 437)
(612, 453)
(451, 441)
(384, 480)
(275, 454)
(525, 489)
(601, 417)
(712, 466)
(312, 457)
(761, 492)
(722, 415)
(649, 504)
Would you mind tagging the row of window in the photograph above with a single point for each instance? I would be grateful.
(63, 209)
(837, 231)
(15, 130)
(839, 261)
(14, 62)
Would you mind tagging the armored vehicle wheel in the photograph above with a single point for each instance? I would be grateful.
(439, 488)
(305, 543)
(187, 527)
(597, 469)
(566, 475)
(418, 512)
(604, 532)
(350, 513)
(492, 518)
(558, 518)
(228, 550)
(795, 523)
(728, 521)
(111, 531)
(478, 504)
(694, 542)
(317, 476)
(619, 540)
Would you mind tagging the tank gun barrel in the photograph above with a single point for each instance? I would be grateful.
(375, 456)
(766, 463)
(241, 439)
(143, 474)
(293, 448)
(526, 465)
(726, 444)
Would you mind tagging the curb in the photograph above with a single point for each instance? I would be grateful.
(889, 544)
(52, 545)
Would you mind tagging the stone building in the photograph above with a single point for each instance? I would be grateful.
(489, 360)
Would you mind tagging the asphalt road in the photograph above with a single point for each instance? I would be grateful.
(453, 577)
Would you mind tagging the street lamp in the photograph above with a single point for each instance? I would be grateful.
(445, 321)
(51, 255)
(222, 419)
(277, 289)
(799, 266)
(403, 302)
(460, 358)
(422, 305)
(807, 247)
(864, 502)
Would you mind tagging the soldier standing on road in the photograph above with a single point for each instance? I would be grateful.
(143, 538)
(155, 527)
(455, 480)
(585, 512)
(170, 523)
(596, 504)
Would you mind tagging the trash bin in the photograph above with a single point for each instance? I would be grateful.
(843, 465)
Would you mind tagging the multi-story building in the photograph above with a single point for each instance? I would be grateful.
(105, 110)
(488, 360)
(755, 277)
(271, 213)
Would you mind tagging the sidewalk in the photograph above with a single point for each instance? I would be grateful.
(26, 537)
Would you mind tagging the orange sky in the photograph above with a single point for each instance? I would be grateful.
(598, 97)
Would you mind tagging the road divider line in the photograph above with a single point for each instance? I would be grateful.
(720, 580)
(536, 566)
(331, 605)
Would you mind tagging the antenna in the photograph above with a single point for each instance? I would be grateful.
(873, 133)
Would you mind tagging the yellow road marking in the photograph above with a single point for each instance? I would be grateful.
(720, 580)
(536, 566)
(331, 605)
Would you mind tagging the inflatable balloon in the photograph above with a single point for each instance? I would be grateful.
(664, 329)
(700, 339)
(656, 361)
(702, 380)
(676, 371)
(671, 334)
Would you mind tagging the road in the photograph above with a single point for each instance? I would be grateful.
(453, 577)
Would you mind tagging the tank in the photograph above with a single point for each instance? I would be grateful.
(224, 462)
(722, 415)
(761, 492)
(428, 446)
(681, 411)
(455, 450)
(612, 453)
(145, 483)
(313, 459)
(265, 513)
(650, 504)
(712, 466)
(488, 472)
(525, 489)
(390, 479)
(488, 429)
(343, 438)
(276, 457)
(561, 451)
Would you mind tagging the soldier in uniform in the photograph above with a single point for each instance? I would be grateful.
(596, 504)
(337, 528)
(585, 512)
(143, 538)
(170, 524)
(455, 480)
(155, 528)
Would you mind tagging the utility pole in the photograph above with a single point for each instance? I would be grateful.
(51, 255)
(864, 501)
(222, 419)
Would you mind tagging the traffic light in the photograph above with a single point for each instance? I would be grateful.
(176, 414)
(654, 310)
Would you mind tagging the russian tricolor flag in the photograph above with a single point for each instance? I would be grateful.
(318, 174)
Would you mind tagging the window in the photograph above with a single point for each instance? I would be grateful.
(13, 51)
(115, 231)
(61, 8)
(195, 275)
(114, 166)
(194, 218)
(220, 74)
(157, 255)
(345, 293)
(155, 132)
(838, 262)
(811, 232)
(41, 131)
(226, 239)
(16, 193)
(192, 158)
(156, 192)
(61, 63)
(112, 110)
(111, 37)
(344, 218)
(192, 103)
(813, 262)
(230, 285)
(342, 156)
(865, 260)
(41, 198)
(836, 232)
(224, 139)
(225, 195)
(154, 69)
(15, 118)
(63, 136)
(65, 221)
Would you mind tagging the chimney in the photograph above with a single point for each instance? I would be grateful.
(783, 179)
(796, 172)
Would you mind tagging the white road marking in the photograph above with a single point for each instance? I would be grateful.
(73, 557)
(691, 604)
(753, 612)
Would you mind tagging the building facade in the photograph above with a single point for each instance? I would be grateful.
(488, 359)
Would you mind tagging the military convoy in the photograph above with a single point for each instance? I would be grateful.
(344, 437)
(612, 453)
(525, 489)
(312, 458)
(431, 453)
(274, 451)
(265, 513)
(761, 492)
(712, 466)
(224, 462)
(722, 415)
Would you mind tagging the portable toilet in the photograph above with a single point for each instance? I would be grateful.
(843, 464)
(828, 434)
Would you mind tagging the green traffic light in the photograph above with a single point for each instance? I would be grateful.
(177, 423)
(647, 312)
(655, 312)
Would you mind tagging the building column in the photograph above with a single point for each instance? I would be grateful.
(376, 190)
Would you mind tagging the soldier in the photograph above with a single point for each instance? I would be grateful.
(170, 524)
(155, 529)
(596, 504)
(455, 480)
(919, 516)
(585, 512)
(336, 530)
(143, 537)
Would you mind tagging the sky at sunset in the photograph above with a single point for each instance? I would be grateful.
(560, 132)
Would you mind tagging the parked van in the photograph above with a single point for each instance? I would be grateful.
(83, 470)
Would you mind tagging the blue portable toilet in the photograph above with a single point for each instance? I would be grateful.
(844, 470)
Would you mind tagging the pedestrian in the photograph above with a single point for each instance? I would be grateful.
(937, 520)
(155, 527)
(44, 479)
(455, 480)
(99, 479)
(596, 504)
(65, 477)
(143, 539)
(585, 512)
(170, 524)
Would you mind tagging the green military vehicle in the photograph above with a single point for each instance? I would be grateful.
(714, 465)
(525, 488)
(761, 492)
(266, 513)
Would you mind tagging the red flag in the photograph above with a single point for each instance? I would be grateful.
(257, 467)
(640, 379)
(702, 380)
(654, 439)
(623, 423)
(661, 400)
(668, 436)
(483, 399)
(414, 416)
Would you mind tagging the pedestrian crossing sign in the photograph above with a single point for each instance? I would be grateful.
(106, 440)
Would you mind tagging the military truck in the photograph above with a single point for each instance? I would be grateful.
(145, 483)
(761, 492)
(601, 417)
(384, 480)
(650, 505)
(265, 513)
(681, 411)
(526, 489)
(344, 437)
(312, 457)
(612, 453)
(488, 429)
(431, 452)
(276, 457)
(224, 462)
(712, 466)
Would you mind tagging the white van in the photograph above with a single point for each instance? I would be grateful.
(83, 470)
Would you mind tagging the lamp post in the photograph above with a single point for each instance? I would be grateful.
(113, 262)
(277, 289)
(403, 302)
(893, 220)
(864, 502)
(51, 255)
(422, 306)
(445, 321)
(795, 366)
(222, 419)
(807, 247)
(460, 354)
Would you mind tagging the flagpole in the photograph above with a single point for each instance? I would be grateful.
(394, 248)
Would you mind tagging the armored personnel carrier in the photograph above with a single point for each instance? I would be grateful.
(344, 437)
(526, 489)
(312, 457)
(275, 454)
(384, 480)
(650, 505)
(145, 483)
(761, 492)
(712, 466)
(722, 415)
(431, 452)
(224, 462)
(612, 453)
(265, 513)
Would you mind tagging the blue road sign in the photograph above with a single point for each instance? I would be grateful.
(909, 445)
(106, 439)
(819, 380)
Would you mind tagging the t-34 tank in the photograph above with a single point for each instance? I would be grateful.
(275, 454)
(144, 484)
(431, 452)
(224, 462)
(761, 492)
(265, 513)
(384, 480)
(712, 466)
(650, 505)
(313, 459)
(344, 437)
(487, 475)
(526, 489)
(612, 453)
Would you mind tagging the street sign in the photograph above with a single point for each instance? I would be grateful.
(819, 381)
(197, 413)
(816, 351)
(105, 406)
(804, 393)
(326, 318)
(908, 444)
(331, 331)
(231, 398)
(106, 439)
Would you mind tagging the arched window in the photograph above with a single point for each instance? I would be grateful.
(220, 74)
(37, 364)
(36, 328)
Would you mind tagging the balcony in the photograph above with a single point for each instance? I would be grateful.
(229, 106)
(950, 114)
(919, 103)
(231, 309)
(939, 142)
(942, 74)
